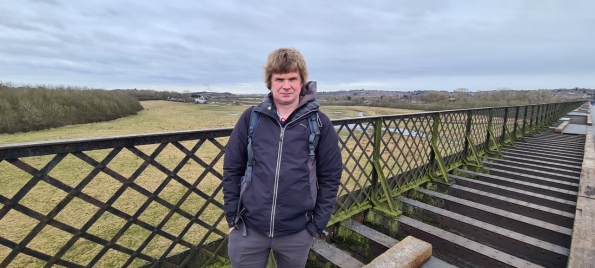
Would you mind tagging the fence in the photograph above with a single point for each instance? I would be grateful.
(156, 200)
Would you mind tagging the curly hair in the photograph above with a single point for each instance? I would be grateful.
(285, 60)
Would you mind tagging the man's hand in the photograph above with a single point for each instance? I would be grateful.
(231, 229)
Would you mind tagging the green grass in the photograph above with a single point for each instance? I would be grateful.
(157, 116)
(165, 116)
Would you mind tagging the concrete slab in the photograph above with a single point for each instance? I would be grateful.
(582, 248)
(564, 119)
(410, 252)
(575, 129)
(578, 113)
(562, 126)
(434, 262)
(586, 186)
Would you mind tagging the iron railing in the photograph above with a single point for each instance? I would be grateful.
(156, 200)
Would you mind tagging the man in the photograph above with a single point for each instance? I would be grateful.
(290, 197)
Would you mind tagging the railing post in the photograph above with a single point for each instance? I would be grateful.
(469, 145)
(525, 121)
(550, 114)
(490, 135)
(378, 174)
(468, 132)
(504, 125)
(434, 144)
(544, 116)
(516, 119)
(532, 119)
(537, 118)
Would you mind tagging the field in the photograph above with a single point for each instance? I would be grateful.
(164, 116)
(157, 116)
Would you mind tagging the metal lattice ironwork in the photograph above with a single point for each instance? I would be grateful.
(405, 147)
(356, 139)
(156, 200)
(479, 129)
(123, 206)
(452, 133)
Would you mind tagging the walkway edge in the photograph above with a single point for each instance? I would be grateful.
(582, 248)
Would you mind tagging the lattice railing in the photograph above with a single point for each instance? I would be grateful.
(156, 200)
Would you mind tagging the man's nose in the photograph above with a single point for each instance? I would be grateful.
(286, 84)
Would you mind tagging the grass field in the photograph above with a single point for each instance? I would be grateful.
(157, 116)
(164, 116)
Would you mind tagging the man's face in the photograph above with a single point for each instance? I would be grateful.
(286, 88)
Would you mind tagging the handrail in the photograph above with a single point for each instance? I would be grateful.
(141, 199)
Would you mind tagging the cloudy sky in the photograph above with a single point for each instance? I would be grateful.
(389, 45)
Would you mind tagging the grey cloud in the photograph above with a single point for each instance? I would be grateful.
(50, 2)
(188, 43)
(18, 25)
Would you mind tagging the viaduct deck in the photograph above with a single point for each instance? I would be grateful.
(530, 206)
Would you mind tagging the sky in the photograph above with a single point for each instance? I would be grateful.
(222, 45)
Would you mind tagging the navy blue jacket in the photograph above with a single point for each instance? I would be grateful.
(290, 190)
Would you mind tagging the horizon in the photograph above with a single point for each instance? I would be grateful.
(208, 90)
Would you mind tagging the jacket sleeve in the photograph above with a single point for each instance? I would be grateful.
(329, 167)
(234, 165)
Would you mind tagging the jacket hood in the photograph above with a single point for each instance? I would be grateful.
(308, 93)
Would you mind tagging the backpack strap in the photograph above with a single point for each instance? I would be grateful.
(254, 118)
(314, 122)
(246, 180)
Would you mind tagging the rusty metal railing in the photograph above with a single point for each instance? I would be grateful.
(156, 199)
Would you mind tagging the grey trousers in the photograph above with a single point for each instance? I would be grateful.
(252, 251)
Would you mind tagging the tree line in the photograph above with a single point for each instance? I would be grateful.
(441, 100)
(29, 108)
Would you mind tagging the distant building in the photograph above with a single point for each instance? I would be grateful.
(199, 101)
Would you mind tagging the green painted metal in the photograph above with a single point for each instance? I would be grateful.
(516, 120)
(437, 155)
(469, 142)
(384, 209)
(377, 168)
(525, 121)
(519, 136)
(491, 138)
(346, 214)
(413, 185)
(272, 262)
(475, 155)
(504, 124)
(536, 124)
(510, 139)
(496, 146)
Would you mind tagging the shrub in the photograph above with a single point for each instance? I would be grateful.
(30, 108)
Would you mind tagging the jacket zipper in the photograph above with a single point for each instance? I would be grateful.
(273, 209)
